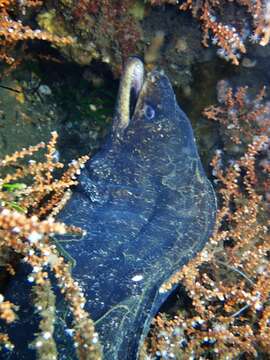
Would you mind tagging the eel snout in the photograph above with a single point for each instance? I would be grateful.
(131, 84)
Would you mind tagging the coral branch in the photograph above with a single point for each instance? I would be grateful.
(23, 232)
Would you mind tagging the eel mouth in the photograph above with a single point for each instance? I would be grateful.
(136, 84)
(130, 87)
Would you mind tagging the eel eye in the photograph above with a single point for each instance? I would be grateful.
(149, 112)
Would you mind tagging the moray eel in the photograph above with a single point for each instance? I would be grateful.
(147, 208)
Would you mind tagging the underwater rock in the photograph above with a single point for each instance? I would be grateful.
(109, 32)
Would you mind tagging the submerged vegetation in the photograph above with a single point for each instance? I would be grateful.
(31, 196)
(223, 27)
(13, 31)
(241, 116)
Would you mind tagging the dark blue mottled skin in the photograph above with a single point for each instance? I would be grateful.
(147, 208)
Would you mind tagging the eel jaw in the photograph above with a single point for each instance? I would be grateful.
(130, 87)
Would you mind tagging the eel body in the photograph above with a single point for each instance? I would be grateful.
(147, 208)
